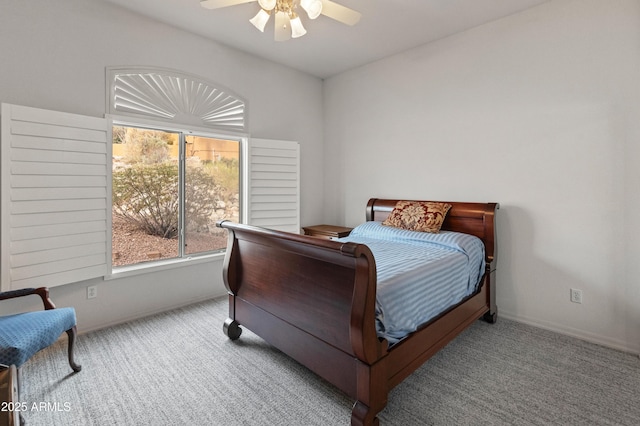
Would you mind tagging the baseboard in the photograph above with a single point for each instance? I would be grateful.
(572, 332)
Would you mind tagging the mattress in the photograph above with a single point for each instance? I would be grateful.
(419, 275)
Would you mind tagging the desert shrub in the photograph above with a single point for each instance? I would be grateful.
(147, 195)
(226, 173)
(144, 145)
(201, 194)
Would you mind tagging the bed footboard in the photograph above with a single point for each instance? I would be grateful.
(313, 299)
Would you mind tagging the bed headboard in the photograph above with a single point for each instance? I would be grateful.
(471, 218)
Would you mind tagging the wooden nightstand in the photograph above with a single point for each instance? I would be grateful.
(328, 232)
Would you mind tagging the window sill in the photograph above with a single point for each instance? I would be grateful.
(128, 271)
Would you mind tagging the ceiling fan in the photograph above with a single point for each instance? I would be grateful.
(287, 21)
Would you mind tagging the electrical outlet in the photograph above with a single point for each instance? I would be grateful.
(92, 292)
(576, 295)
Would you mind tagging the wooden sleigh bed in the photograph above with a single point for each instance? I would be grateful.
(315, 300)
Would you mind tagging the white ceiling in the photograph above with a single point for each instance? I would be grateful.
(329, 47)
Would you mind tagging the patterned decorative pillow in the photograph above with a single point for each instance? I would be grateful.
(422, 216)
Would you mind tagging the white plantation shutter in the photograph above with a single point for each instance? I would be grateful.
(54, 197)
(274, 185)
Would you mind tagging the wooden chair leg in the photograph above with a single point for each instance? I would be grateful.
(72, 339)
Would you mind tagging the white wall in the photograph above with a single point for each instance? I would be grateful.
(538, 111)
(53, 55)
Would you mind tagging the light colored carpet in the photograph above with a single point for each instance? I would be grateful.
(179, 368)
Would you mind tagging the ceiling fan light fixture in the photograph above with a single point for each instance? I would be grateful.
(260, 20)
(285, 14)
(267, 4)
(312, 7)
(297, 30)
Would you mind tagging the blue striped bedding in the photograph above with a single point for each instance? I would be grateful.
(419, 274)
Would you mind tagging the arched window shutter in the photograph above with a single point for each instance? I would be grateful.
(174, 97)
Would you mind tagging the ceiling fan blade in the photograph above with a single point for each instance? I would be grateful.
(217, 4)
(340, 13)
(282, 27)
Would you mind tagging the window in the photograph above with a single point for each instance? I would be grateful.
(172, 179)
(169, 188)
(56, 198)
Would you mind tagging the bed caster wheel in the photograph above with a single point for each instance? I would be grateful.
(490, 317)
(232, 329)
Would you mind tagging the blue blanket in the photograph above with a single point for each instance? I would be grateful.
(419, 274)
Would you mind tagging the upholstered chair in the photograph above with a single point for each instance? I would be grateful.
(24, 334)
